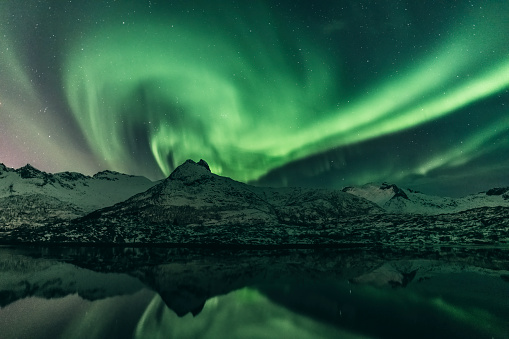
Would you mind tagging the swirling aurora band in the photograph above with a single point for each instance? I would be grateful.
(203, 97)
(259, 91)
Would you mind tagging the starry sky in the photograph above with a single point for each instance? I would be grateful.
(308, 93)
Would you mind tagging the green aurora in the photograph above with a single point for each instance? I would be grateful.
(204, 95)
(139, 88)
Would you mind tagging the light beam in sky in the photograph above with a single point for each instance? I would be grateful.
(204, 95)
(294, 93)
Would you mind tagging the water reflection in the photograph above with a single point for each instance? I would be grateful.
(184, 293)
(245, 313)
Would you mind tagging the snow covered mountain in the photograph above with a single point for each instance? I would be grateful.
(194, 195)
(397, 200)
(32, 197)
(196, 207)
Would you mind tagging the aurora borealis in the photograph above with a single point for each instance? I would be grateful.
(330, 93)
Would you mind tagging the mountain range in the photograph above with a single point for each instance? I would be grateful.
(398, 200)
(31, 197)
(196, 207)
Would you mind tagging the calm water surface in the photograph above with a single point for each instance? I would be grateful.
(183, 293)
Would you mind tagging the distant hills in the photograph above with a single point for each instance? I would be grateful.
(196, 207)
(31, 197)
(397, 200)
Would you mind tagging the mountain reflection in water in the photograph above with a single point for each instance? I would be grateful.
(196, 293)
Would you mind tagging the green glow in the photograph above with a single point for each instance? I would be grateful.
(465, 151)
(203, 94)
(248, 313)
(469, 316)
(244, 313)
(214, 105)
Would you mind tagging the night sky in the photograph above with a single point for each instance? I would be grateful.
(313, 93)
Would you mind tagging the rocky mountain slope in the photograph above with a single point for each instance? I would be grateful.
(192, 195)
(194, 207)
(394, 199)
(32, 197)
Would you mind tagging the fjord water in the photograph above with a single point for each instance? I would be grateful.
(87, 292)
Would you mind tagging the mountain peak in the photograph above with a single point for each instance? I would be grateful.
(108, 175)
(203, 163)
(28, 171)
(3, 168)
(29, 167)
(191, 171)
(398, 192)
(381, 194)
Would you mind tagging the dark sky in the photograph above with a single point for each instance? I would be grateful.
(322, 93)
